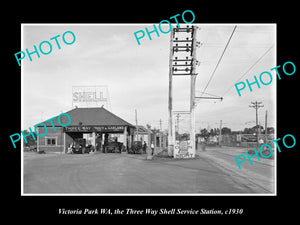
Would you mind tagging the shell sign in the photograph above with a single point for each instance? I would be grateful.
(89, 96)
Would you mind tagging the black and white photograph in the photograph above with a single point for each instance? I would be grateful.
(149, 109)
(146, 111)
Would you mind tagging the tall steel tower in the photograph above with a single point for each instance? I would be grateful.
(182, 62)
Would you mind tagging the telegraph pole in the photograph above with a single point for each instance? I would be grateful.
(160, 125)
(171, 132)
(177, 116)
(266, 127)
(256, 105)
(160, 133)
(192, 95)
(182, 66)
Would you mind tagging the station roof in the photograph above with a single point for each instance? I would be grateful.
(89, 117)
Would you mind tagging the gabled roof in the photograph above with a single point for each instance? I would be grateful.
(143, 130)
(89, 117)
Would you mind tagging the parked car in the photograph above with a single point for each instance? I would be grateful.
(137, 148)
(113, 147)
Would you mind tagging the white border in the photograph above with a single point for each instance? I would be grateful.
(149, 194)
(22, 118)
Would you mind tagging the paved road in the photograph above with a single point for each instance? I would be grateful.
(260, 176)
(132, 174)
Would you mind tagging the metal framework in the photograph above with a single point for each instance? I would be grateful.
(182, 66)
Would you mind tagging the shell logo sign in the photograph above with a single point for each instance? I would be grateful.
(90, 96)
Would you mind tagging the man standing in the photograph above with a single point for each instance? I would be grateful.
(152, 148)
(144, 147)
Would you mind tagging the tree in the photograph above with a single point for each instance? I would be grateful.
(216, 131)
(204, 133)
(226, 130)
(29, 138)
(184, 136)
(246, 131)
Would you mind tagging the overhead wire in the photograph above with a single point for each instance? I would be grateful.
(213, 73)
(244, 74)
(208, 94)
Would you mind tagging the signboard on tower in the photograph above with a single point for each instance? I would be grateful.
(90, 96)
(183, 150)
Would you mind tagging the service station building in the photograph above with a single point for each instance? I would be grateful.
(92, 125)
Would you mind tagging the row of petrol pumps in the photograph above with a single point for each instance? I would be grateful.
(116, 142)
(113, 139)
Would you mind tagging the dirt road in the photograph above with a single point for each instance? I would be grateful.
(131, 174)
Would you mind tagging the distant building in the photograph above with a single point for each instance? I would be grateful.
(144, 134)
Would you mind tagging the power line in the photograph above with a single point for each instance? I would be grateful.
(248, 70)
(207, 94)
(219, 60)
(255, 63)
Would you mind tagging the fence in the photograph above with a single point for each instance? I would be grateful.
(246, 140)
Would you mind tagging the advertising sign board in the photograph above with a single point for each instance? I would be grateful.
(183, 150)
(90, 96)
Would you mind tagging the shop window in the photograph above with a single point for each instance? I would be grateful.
(51, 141)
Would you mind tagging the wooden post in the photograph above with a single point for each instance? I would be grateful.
(266, 127)
(94, 139)
(130, 138)
(125, 137)
(171, 132)
(192, 94)
(65, 147)
(38, 141)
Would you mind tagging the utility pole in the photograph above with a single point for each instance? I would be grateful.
(182, 66)
(177, 116)
(192, 95)
(256, 105)
(160, 125)
(266, 127)
(171, 131)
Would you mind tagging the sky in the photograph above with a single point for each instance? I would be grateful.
(137, 75)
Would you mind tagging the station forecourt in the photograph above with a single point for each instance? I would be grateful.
(89, 126)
